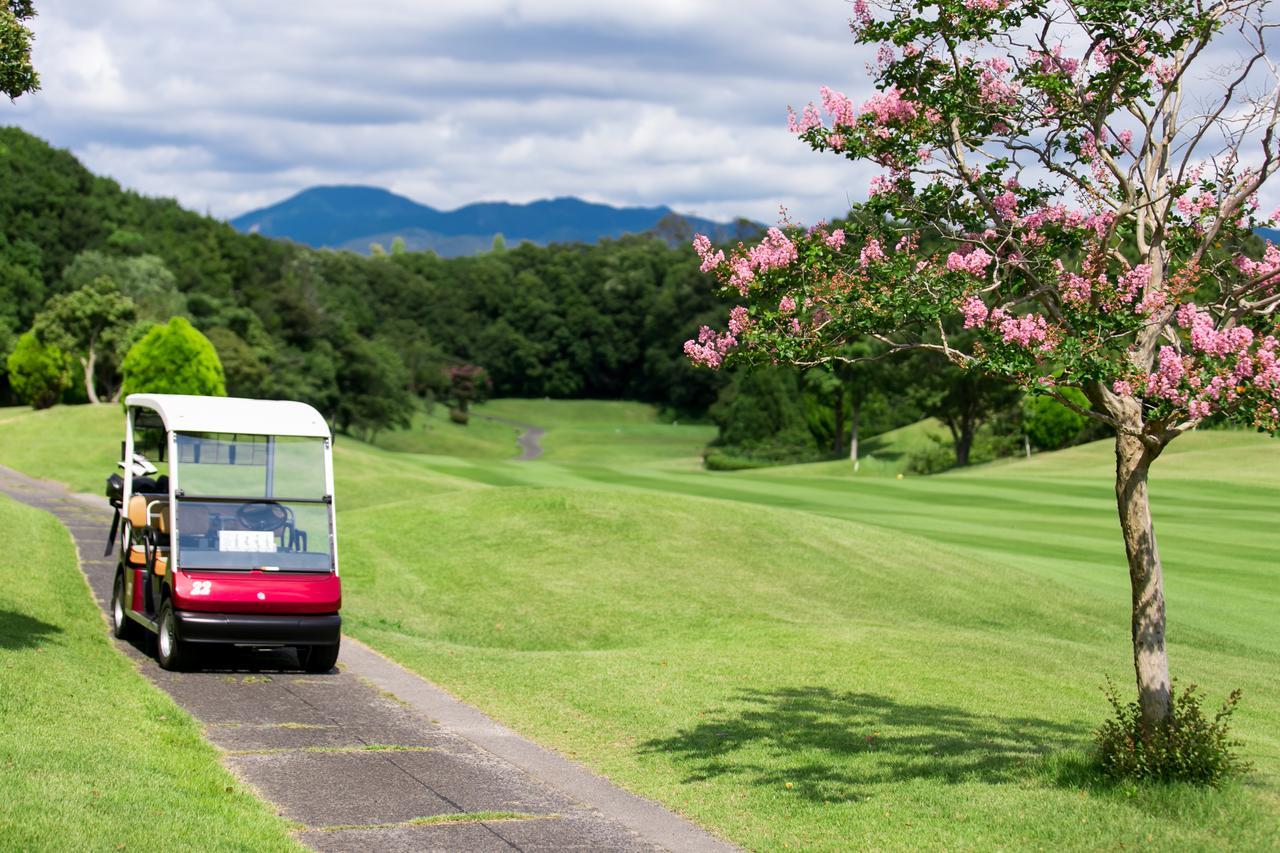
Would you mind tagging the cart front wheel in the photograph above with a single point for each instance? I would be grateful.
(171, 652)
(122, 627)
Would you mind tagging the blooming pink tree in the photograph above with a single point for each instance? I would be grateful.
(1068, 199)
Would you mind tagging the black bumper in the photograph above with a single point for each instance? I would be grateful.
(258, 629)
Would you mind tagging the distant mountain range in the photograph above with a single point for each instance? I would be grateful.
(353, 217)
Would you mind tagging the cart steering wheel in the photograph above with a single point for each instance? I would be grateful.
(262, 515)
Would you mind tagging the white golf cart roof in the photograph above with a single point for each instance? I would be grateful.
(187, 413)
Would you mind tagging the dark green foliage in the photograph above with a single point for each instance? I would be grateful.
(761, 415)
(1188, 746)
(242, 366)
(38, 372)
(373, 389)
(17, 75)
(1050, 425)
(962, 399)
(933, 458)
(173, 359)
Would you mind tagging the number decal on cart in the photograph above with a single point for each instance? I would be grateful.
(201, 587)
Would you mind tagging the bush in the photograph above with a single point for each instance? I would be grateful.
(38, 373)
(173, 359)
(1187, 747)
(1049, 424)
(934, 458)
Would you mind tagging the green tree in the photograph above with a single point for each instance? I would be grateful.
(373, 389)
(38, 372)
(963, 400)
(144, 278)
(761, 415)
(242, 365)
(17, 75)
(83, 321)
(174, 359)
(1050, 425)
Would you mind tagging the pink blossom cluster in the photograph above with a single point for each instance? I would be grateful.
(881, 184)
(986, 5)
(1268, 266)
(1077, 290)
(993, 87)
(806, 122)
(974, 262)
(1024, 331)
(889, 106)
(1055, 214)
(975, 312)
(1133, 282)
(1198, 207)
(1234, 341)
(710, 259)
(1166, 381)
(835, 239)
(773, 252)
(1267, 369)
(710, 348)
(839, 107)
(1006, 205)
(1053, 62)
(1206, 386)
(738, 320)
(787, 305)
(871, 253)
(1100, 223)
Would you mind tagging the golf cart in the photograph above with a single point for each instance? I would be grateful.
(235, 543)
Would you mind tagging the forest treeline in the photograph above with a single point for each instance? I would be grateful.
(367, 339)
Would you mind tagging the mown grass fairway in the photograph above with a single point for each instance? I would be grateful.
(798, 656)
(92, 756)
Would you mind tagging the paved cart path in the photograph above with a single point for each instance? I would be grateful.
(373, 757)
(530, 439)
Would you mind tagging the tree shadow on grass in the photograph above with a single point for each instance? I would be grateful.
(20, 631)
(835, 746)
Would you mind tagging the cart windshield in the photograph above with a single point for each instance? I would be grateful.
(252, 501)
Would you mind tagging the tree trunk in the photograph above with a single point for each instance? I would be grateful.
(855, 410)
(1146, 578)
(88, 363)
(964, 441)
(839, 440)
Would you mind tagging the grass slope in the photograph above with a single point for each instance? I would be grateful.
(433, 433)
(804, 657)
(92, 756)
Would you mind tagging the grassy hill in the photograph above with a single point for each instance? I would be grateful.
(801, 656)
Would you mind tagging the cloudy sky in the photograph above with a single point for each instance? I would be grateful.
(229, 105)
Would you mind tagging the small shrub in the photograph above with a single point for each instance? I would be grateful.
(1187, 747)
(38, 373)
(933, 458)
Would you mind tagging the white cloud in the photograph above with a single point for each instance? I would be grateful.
(231, 104)
(228, 105)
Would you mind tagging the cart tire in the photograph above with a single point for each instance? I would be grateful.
(122, 627)
(171, 652)
(318, 659)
